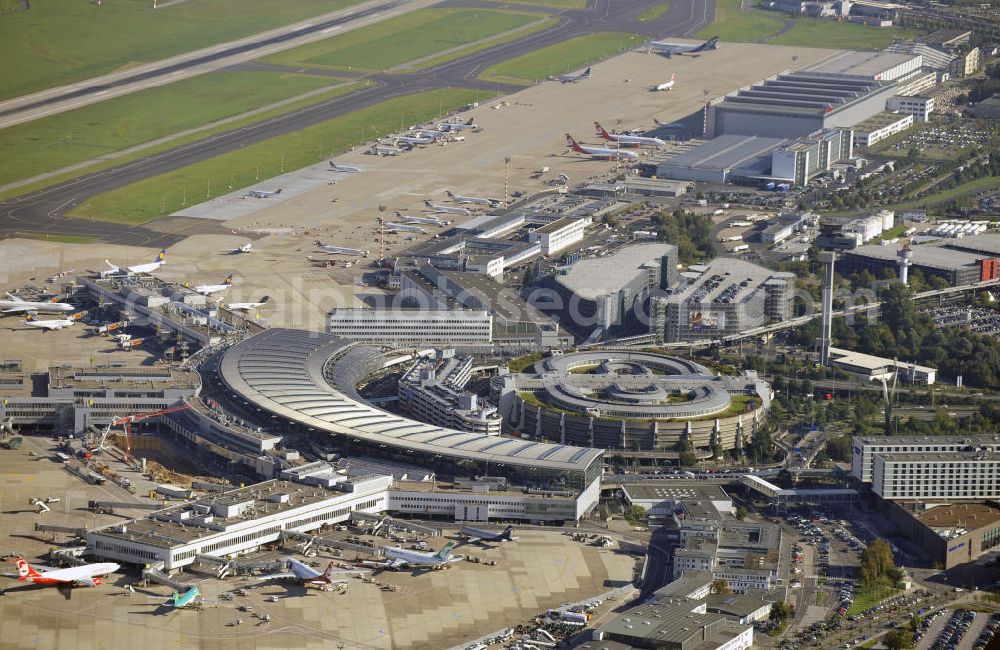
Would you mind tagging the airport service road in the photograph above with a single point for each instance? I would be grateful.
(64, 98)
(43, 210)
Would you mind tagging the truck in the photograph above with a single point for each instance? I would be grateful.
(174, 492)
(740, 248)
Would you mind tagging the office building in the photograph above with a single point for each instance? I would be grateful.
(947, 476)
(554, 237)
(865, 448)
(432, 390)
(917, 106)
(879, 127)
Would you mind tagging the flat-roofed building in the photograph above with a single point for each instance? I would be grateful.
(949, 534)
(879, 127)
(406, 327)
(864, 448)
(879, 368)
(675, 624)
(916, 105)
(947, 476)
(560, 234)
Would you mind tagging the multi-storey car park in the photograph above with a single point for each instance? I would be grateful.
(634, 401)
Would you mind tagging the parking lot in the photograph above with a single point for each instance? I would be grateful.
(976, 319)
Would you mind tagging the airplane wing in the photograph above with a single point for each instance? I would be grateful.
(85, 582)
(276, 576)
(15, 298)
(397, 564)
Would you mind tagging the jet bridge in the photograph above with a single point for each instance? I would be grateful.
(310, 541)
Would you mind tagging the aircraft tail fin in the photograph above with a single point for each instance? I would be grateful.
(470, 121)
(229, 280)
(264, 300)
(445, 552)
(450, 195)
(328, 573)
(162, 255)
(601, 131)
(711, 43)
(507, 533)
(29, 317)
(25, 570)
(586, 73)
(277, 191)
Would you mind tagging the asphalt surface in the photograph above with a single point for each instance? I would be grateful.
(45, 210)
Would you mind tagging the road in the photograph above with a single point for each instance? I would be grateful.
(45, 210)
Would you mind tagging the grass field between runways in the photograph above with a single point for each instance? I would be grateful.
(86, 133)
(173, 191)
(396, 41)
(561, 58)
(57, 42)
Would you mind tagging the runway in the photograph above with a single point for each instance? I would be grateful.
(45, 209)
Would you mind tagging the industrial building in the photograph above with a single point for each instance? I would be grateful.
(409, 327)
(661, 499)
(865, 448)
(637, 401)
(918, 106)
(848, 234)
(432, 390)
(841, 91)
(952, 263)
(600, 293)
(724, 297)
(560, 234)
(787, 224)
(755, 159)
(875, 368)
(880, 126)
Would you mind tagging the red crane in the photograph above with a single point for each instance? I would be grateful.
(128, 420)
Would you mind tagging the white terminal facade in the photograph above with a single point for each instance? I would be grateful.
(441, 327)
(559, 234)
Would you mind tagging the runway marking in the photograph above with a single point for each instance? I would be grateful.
(330, 29)
(61, 206)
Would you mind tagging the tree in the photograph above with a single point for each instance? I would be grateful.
(635, 513)
(898, 639)
(741, 513)
(780, 612)
(721, 586)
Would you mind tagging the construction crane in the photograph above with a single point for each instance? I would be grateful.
(128, 420)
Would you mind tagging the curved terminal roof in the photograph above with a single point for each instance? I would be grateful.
(300, 375)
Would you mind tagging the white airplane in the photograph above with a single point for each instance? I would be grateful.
(341, 250)
(627, 140)
(382, 150)
(669, 49)
(87, 575)
(414, 140)
(458, 126)
(399, 558)
(598, 152)
(403, 227)
(261, 194)
(344, 168)
(668, 125)
(16, 305)
(431, 133)
(667, 85)
(190, 599)
(209, 289)
(493, 203)
(46, 325)
(571, 78)
(247, 306)
(412, 218)
(475, 535)
(245, 248)
(306, 575)
(157, 262)
(447, 208)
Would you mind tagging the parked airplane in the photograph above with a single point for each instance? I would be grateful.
(261, 194)
(627, 140)
(431, 133)
(475, 535)
(341, 250)
(412, 218)
(669, 49)
(447, 208)
(87, 575)
(209, 289)
(16, 305)
(598, 152)
(383, 150)
(157, 262)
(247, 306)
(245, 248)
(668, 125)
(399, 558)
(188, 600)
(458, 126)
(46, 325)
(409, 139)
(493, 203)
(571, 78)
(344, 168)
(667, 85)
(402, 227)
(306, 575)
